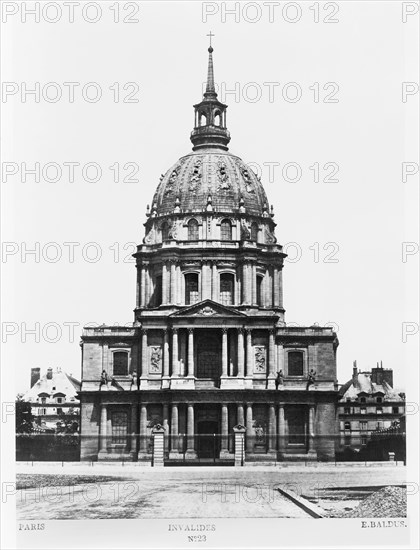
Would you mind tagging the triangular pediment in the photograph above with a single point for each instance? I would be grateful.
(208, 309)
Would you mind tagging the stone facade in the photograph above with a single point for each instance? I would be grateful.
(209, 348)
(368, 404)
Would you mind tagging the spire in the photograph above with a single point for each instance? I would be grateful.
(210, 115)
(210, 90)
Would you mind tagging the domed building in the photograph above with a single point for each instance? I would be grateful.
(209, 349)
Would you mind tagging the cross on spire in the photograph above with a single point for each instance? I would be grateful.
(210, 35)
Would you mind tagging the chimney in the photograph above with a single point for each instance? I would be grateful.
(49, 373)
(388, 376)
(354, 373)
(35, 376)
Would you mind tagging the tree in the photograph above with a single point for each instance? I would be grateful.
(24, 416)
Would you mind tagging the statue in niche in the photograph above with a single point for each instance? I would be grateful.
(245, 232)
(195, 177)
(223, 176)
(260, 359)
(247, 179)
(172, 233)
(172, 180)
(155, 359)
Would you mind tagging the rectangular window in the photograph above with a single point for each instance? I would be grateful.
(295, 363)
(379, 410)
(119, 427)
(347, 410)
(362, 410)
(347, 440)
(363, 439)
(395, 410)
(363, 425)
(59, 410)
(120, 365)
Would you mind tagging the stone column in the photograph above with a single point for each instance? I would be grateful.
(240, 415)
(232, 355)
(190, 453)
(178, 284)
(148, 292)
(311, 433)
(276, 287)
(165, 424)
(214, 282)
(173, 284)
(191, 352)
(281, 287)
(241, 353)
(165, 353)
(143, 287)
(143, 428)
(245, 283)
(165, 283)
(271, 360)
(224, 352)
(249, 358)
(144, 365)
(254, 283)
(281, 428)
(133, 445)
(249, 429)
(280, 358)
(138, 287)
(102, 430)
(175, 362)
(174, 429)
(271, 428)
(225, 428)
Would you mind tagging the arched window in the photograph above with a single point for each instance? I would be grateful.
(217, 118)
(165, 231)
(226, 230)
(203, 119)
(379, 399)
(362, 399)
(254, 232)
(193, 230)
(191, 288)
(259, 290)
(226, 288)
(120, 363)
(295, 363)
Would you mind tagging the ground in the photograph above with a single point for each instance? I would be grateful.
(75, 491)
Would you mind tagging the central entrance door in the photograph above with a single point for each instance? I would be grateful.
(208, 439)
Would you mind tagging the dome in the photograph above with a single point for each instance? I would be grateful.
(210, 177)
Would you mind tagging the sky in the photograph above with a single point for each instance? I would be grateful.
(316, 107)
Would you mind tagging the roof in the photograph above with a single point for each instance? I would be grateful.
(61, 381)
(365, 385)
(213, 173)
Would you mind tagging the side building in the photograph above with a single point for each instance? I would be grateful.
(53, 397)
(368, 403)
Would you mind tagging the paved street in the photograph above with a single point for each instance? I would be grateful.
(74, 492)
